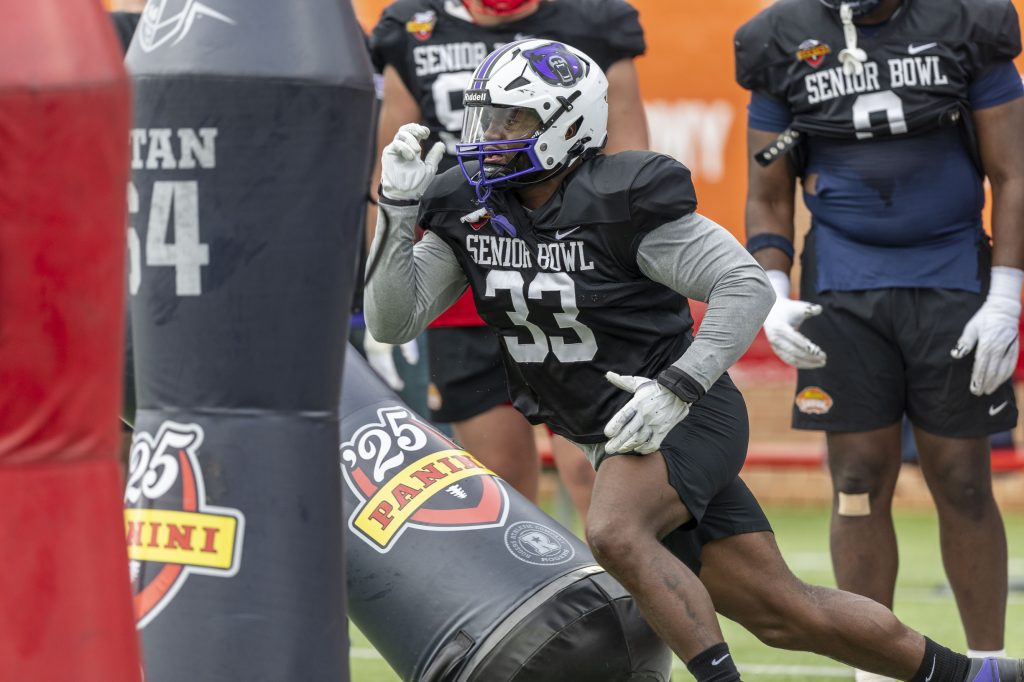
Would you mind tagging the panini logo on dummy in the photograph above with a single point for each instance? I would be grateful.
(555, 64)
(421, 26)
(162, 24)
(813, 400)
(405, 475)
(172, 532)
(812, 52)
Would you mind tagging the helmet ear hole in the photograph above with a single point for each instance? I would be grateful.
(571, 131)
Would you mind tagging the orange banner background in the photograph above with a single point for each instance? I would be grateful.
(696, 110)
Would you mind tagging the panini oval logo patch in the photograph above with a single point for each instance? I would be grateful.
(170, 529)
(813, 400)
(406, 475)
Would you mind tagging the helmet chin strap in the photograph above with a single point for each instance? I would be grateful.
(852, 57)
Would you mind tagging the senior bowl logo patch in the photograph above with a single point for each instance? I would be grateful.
(813, 400)
(421, 26)
(170, 530)
(812, 52)
(406, 475)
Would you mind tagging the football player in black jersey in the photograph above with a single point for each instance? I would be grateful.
(427, 51)
(582, 263)
(894, 112)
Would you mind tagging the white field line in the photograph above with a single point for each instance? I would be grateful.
(364, 653)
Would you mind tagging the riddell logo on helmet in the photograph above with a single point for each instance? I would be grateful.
(159, 26)
(170, 530)
(405, 475)
(813, 400)
(471, 97)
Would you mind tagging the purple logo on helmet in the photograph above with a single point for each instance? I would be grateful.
(555, 64)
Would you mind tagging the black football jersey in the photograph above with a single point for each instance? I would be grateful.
(920, 64)
(565, 292)
(435, 47)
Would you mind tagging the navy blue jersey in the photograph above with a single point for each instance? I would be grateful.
(565, 291)
(888, 163)
(435, 47)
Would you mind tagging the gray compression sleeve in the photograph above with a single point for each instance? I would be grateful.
(701, 260)
(412, 284)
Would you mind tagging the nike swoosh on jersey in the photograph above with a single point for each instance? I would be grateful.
(716, 661)
(993, 410)
(917, 49)
(562, 235)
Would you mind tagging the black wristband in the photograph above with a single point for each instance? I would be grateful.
(382, 199)
(767, 240)
(682, 384)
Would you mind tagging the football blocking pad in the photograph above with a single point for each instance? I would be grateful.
(456, 577)
(249, 152)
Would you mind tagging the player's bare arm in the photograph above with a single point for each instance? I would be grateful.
(992, 333)
(1000, 132)
(627, 122)
(769, 223)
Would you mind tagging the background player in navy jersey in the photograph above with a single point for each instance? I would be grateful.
(427, 51)
(583, 263)
(893, 113)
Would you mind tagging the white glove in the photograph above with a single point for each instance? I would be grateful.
(382, 359)
(646, 419)
(782, 322)
(994, 330)
(404, 175)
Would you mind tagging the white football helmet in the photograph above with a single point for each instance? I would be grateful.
(533, 107)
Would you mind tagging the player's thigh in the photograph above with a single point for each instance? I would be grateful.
(939, 400)
(632, 498)
(466, 373)
(861, 386)
(958, 471)
(698, 459)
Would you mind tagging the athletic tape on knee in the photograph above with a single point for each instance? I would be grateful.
(865, 676)
(855, 504)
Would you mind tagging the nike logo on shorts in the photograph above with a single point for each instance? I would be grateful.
(716, 661)
(562, 235)
(918, 49)
(993, 410)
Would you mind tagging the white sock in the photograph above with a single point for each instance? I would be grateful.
(864, 676)
(971, 653)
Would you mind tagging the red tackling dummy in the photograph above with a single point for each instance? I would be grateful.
(65, 600)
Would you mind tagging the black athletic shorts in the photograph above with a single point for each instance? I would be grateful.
(467, 376)
(888, 355)
(704, 455)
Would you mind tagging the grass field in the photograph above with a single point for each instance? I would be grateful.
(922, 598)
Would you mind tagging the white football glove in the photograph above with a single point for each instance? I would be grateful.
(993, 329)
(404, 176)
(646, 419)
(382, 359)
(782, 322)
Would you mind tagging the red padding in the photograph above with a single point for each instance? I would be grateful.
(63, 177)
(65, 606)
